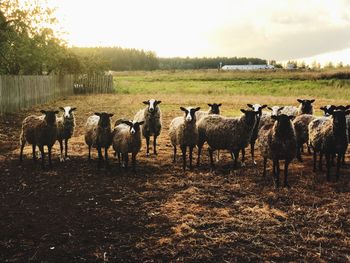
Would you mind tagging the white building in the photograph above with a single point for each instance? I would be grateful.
(247, 67)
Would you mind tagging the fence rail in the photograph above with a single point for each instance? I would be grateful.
(18, 92)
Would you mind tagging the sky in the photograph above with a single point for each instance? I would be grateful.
(269, 29)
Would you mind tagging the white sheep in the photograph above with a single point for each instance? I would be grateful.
(223, 133)
(65, 129)
(98, 134)
(183, 132)
(127, 139)
(152, 118)
(40, 131)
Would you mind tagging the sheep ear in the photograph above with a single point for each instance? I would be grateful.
(300, 100)
(243, 110)
(158, 101)
(56, 112)
(43, 111)
(129, 123)
(281, 108)
(209, 104)
(146, 102)
(347, 112)
(312, 101)
(197, 109)
(347, 107)
(323, 108)
(110, 114)
(141, 122)
(61, 108)
(250, 105)
(291, 117)
(219, 104)
(263, 106)
(72, 109)
(183, 109)
(269, 108)
(97, 113)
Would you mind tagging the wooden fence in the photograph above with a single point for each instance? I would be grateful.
(18, 92)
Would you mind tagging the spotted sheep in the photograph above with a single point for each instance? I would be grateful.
(98, 134)
(39, 131)
(65, 129)
(183, 132)
(277, 142)
(225, 133)
(152, 118)
(127, 139)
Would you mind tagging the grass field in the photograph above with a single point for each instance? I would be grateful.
(76, 212)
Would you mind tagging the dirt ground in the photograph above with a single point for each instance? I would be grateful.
(79, 213)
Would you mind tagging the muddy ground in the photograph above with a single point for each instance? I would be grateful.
(76, 212)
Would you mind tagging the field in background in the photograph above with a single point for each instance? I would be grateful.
(77, 212)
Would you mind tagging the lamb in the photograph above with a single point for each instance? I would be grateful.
(127, 139)
(65, 129)
(278, 142)
(328, 136)
(213, 109)
(258, 109)
(183, 132)
(152, 118)
(98, 134)
(223, 133)
(305, 107)
(301, 125)
(41, 131)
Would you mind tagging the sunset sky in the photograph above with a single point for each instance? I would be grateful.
(269, 29)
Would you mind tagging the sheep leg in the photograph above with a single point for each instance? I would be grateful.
(299, 150)
(308, 148)
(286, 163)
(264, 171)
(126, 159)
(106, 157)
(329, 164)
(49, 148)
(243, 157)
(155, 144)
(23, 142)
(252, 146)
(41, 148)
(211, 157)
(236, 155)
(343, 159)
(174, 159)
(89, 158)
(191, 151)
(199, 153)
(133, 158)
(33, 151)
(66, 149)
(315, 159)
(339, 162)
(276, 172)
(320, 161)
(118, 154)
(61, 149)
(183, 149)
(147, 146)
(217, 156)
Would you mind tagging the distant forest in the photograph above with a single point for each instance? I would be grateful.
(119, 59)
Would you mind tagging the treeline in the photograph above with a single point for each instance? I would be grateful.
(119, 59)
(206, 63)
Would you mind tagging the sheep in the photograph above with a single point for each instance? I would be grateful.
(223, 133)
(41, 131)
(152, 118)
(305, 107)
(213, 109)
(278, 142)
(327, 110)
(65, 129)
(328, 136)
(98, 134)
(258, 109)
(127, 139)
(183, 131)
(266, 119)
(301, 126)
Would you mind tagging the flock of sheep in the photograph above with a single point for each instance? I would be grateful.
(280, 134)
